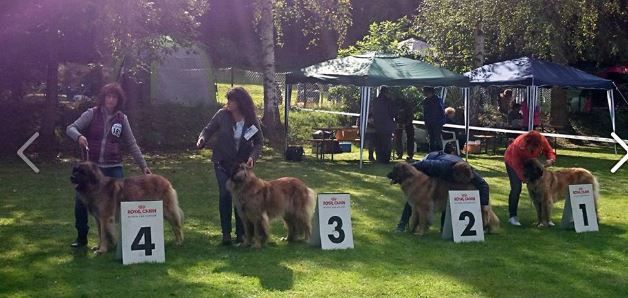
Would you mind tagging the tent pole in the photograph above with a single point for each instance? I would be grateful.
(287, 95)
(465, 92)
(365, 95)
(611, 109)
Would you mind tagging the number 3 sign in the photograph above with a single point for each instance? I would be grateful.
(463, 218)
(142, 236)
(331, 229)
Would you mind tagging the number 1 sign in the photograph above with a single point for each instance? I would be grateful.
(463, 218)
(142, 236)
(579, 211)
(332, 227)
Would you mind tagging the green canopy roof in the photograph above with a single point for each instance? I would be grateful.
(373, 69)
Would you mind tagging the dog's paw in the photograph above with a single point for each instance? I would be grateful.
(99, 252)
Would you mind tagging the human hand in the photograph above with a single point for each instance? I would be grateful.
(200, 143)
(549, 162)
(83, 142)
(250, 162)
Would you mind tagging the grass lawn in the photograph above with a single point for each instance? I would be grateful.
(36, 227)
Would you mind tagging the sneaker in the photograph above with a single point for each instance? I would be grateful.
(400, 228)
(514, 221)
(79, 242)
(550, 223)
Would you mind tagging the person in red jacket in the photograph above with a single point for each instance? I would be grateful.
(529, 145)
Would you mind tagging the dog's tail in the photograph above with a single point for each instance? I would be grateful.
(311, 201)
(176, 220)
(490, 219)
(596, 197)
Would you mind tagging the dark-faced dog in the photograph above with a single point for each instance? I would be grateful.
(102, 196)
(547, 187)
(427, 194)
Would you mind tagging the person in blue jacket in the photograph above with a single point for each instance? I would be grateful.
(442, 165)
(434, 115)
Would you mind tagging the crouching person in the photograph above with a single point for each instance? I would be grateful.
(452, 168)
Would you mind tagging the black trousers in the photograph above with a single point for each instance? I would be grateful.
(434, 134)
(225, 204)
(515, 191)
(383, 147)
(409, 140)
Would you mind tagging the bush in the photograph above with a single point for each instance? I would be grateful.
(302, 124)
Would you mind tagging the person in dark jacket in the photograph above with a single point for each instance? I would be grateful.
(384, 113)
(239, 140)
(100, 131)
(434, 114)
(407, 107)
(442, 165)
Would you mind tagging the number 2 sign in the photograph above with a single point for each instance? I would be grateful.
(333, 223)
(463, 218)
(142, 236)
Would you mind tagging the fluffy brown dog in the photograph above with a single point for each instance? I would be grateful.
(102, 196)
(547, 187)
(427, 194)
(258, 201)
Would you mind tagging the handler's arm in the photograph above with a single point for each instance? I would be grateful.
(482, 186)
(74, 130)
(209, 130)
(131, 144)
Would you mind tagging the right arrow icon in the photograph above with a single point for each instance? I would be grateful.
(623, 159)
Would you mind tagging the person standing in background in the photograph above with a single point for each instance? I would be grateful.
(434, 114)
(384, 120)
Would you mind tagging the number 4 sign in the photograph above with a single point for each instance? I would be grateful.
(331, 226)
(142, 236)
(579, 211)
(463, 217)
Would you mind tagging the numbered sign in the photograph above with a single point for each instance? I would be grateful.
(334, 222)
(463, 217)
(142, 232)
(579, 211)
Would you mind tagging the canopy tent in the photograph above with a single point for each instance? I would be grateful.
(372, 70)
(534, 74)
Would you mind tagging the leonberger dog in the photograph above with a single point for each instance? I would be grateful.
(102, 196)
(547, 187)
(259, 201)
(427, 194)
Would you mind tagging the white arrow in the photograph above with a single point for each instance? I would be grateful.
(623, 159)
(20, 152)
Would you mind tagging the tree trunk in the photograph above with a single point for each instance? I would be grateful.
(478, 38)
(273, 130)
(49, 119)
(559, 115)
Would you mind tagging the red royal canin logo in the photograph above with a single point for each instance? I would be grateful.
(580, 191)
(333, 202)
(464, 198)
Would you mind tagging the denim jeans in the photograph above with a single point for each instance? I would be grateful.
(80, 210)
(225, 204)
(515, 191)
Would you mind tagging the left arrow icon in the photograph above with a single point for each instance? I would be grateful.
(20, 152)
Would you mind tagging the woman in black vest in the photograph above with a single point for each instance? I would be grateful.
(100, 131)
(238, 140)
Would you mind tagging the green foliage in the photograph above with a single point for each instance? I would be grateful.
(304, 123)
(565, 31)
(37, 225)
(349, 97)
(383, 37)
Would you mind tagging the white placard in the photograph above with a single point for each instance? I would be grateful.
(142, 236)
(463, 218)
(582, 207)
(334, 221)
